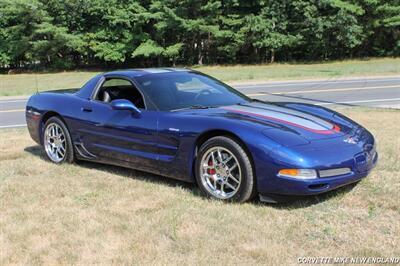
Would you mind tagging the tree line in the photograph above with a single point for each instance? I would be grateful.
(81, 33)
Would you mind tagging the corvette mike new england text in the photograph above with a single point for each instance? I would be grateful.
(348, 260)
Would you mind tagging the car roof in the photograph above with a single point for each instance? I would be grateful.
(138, 72)
(87, 89)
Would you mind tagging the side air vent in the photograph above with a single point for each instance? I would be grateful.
(80, 148)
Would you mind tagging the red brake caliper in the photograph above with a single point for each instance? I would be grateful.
(211, 171)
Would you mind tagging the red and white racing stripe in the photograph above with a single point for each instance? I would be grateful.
(287, 116)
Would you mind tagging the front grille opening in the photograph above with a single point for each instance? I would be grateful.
(334, 172)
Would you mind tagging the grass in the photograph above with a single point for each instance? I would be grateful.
(26, 84)
(93, 214)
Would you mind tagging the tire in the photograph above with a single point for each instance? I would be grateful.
(57, 141)
(212, 173)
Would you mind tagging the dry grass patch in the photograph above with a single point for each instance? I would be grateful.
(93, 214)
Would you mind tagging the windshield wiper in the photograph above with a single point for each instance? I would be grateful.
(195, 106)
(199, 106)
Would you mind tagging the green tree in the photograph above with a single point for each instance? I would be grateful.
(19, 19)
(172, 52)
(268, 30)
(73, 33)
(147, 49)
(387, 28)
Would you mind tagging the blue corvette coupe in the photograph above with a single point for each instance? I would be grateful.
(186, 125)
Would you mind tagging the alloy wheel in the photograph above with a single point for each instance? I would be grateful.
(220, 173)
(55, 142)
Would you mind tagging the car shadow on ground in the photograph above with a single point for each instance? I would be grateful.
(287, 203)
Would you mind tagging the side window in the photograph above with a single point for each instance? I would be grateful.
(117, 88)
(116, 82)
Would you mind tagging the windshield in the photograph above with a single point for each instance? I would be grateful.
(180, 90)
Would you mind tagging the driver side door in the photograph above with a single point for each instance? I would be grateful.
(120, 136)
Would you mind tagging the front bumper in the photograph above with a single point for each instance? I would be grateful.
(297, 187)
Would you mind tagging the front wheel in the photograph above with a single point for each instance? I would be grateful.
(224, 170)
(57, 141)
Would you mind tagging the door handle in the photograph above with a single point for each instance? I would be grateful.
(86, 109)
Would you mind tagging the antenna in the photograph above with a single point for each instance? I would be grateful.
(36, 79)
(36, 82)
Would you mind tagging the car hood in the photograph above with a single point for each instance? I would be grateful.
(292, 123)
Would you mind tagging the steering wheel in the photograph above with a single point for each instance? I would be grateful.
(202, 92)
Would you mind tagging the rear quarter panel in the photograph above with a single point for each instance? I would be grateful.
(40, 106)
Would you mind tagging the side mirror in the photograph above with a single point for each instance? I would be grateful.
(123, 104)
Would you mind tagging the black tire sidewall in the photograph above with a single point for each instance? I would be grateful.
(247, 185)
(69, 157)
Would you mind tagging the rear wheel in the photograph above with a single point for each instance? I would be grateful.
(57, 141)
(224, 170)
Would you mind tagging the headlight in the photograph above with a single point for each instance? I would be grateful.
(298, 173)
